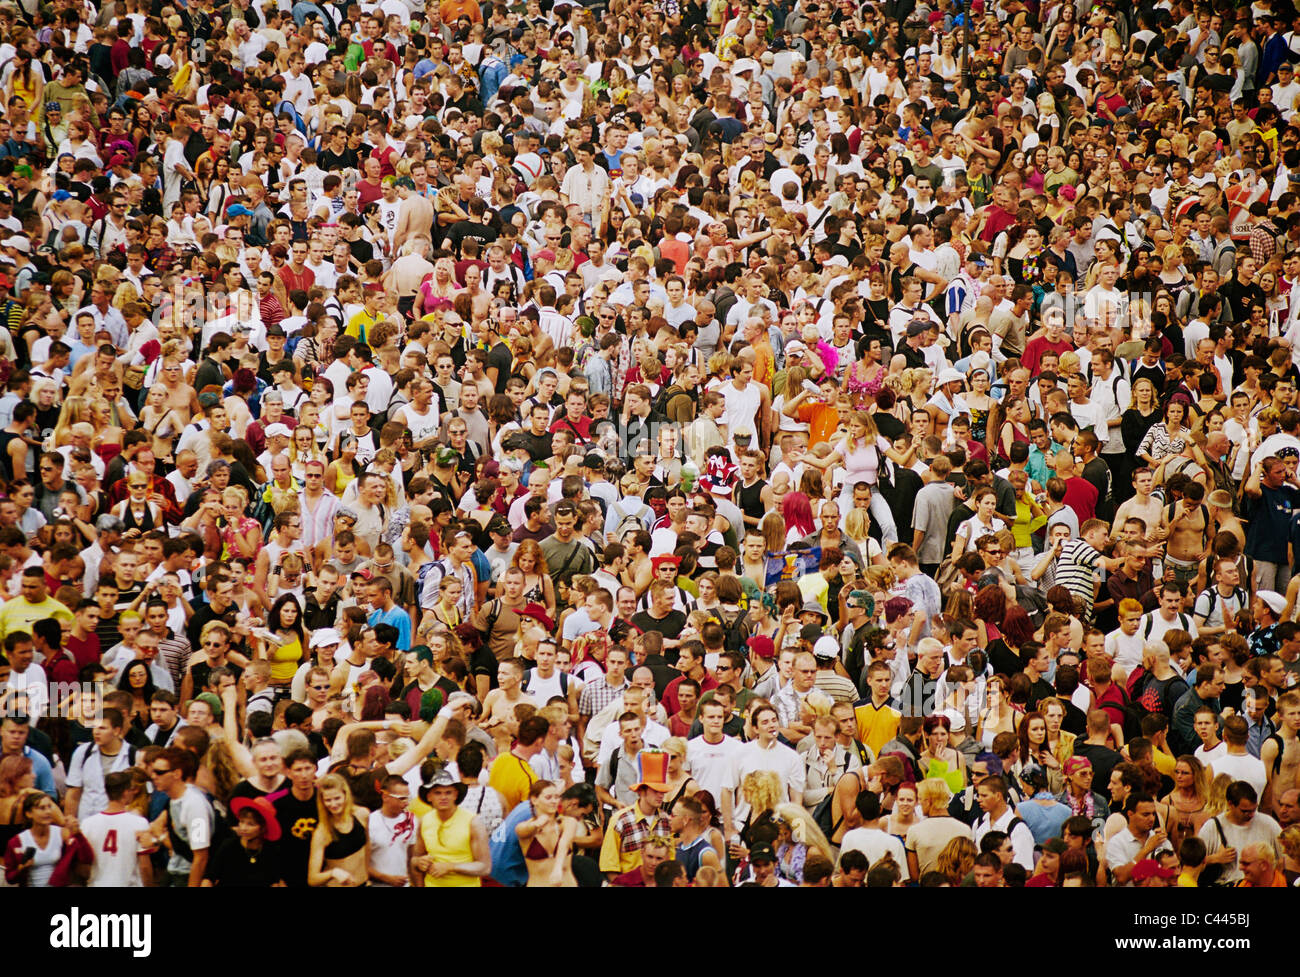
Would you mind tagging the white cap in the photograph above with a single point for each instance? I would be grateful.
(950, 376)
(826, 647)
(278, 429)
(1274, 601)
(324, 638)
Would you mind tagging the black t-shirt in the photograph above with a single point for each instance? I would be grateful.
(362, 251)
(235, 865)
(1103, 760)
(297, 823)
(500, 358)
(538, 445)
(889, 426)
(670, 626)
(246, 788)
(461, 230)
(330, 160)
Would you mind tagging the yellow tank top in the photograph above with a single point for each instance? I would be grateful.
(284, 661)
(342, 480)
(449, 842)
(25, 91)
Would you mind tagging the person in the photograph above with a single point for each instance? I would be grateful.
(632, 827)
(340, 851)
(250, 859)
(1228, 835)
(547, 839)
(999, 816)
(451, 848)
(113, 834)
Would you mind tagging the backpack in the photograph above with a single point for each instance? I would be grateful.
(1238, 594)
(822, 812)
(1183, 621)
(528, 674)
(627, 520)
(734, 632)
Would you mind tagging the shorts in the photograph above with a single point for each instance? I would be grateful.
(1184, 572)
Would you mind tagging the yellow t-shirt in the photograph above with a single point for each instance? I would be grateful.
(511, 777)
(359, 325)
(876, 727)
(17, 614)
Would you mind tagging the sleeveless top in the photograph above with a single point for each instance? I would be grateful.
(449, 842)
(689, 855)
(284, 661)
(347, 844)
(46, 859)
(750, 498)
(6, 462)
(144, 523)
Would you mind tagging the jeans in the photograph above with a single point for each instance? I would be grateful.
(1271, 576)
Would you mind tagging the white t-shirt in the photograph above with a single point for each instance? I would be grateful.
(713, 765)
(113, 839)
(780, 759)
(875, 845)
(390, 841)
(1241, 766)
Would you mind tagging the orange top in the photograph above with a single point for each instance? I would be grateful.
(764, 364)
(450, 10)
(822, 420)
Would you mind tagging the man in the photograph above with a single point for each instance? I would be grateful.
(1168, 616)
(1280, 753)
(511, 775)
(872, 840)
(190, 817)
(165, 721)
(765, 753)
(1095, 748)
(121, 861)
(1270, 500)
(789, 700)
(877, 720)
(1208, 685)
(1217, 607)
(1232, 833)
(451, 847)
(296, 811)
(1139, 839)
(711, 757)
(998, 816)
(1236, 761)
(91, 762)
(655, 853)
(32, 604)
(631, 828)
(565, 554)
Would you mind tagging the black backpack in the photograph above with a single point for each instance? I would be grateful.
(735, 632)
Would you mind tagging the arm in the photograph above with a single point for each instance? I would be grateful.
(316, 875)
(412, 757)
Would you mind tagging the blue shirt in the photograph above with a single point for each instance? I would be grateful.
(508, 866)
(399, 619)
(42, 771)
(1044, 821)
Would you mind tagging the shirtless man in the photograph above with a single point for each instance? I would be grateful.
(639, 573)
(181, 396)
(499, 706)
(1284, 774)
(1142, 504)
(415, 215)
(1189, 536)
(1224, 519)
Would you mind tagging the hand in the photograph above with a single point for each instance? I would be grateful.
(439, 869)
(341, 876)
(1158, 838)
(421, 863)
(1226, 856)
(229, 695)
(70, 827)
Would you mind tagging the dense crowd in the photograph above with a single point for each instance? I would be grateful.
(649, 444)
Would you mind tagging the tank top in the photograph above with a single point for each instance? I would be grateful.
(144, 523)
(6, 462)
(344, 845)
(689, 855)
(750, 499)
(449, 842)
(284, 661)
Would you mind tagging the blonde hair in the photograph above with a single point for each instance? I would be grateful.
(803, 829)
(933, 793)
(762, 791)
(675, 744)
(324, 822)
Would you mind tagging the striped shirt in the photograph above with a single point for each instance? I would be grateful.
(1077, 571)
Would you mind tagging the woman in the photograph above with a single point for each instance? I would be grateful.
(1165, 440)
(538, 587)
(241, 535)
(1139, 419)
(983, 523)
(866, 376)
(1027, 263)
(1185, 808)
(17, 781)
(862, 453)
(905, 813)
(107, 436)
(956, 860)
(788, 148)
(340, 849)
(137, 513)
(302, 449)
(680, 782)
(250, 859)
(979, 403)
(1014, 429)
(997, 716)
(937, 732)
(1034, 745)
(160, 422)
(547, 839)
(138, 682)
(41, 857)
(796, 512)
(343, 470)
(286, 641)
(798, 837)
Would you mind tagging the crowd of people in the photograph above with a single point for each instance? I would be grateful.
(649, 443)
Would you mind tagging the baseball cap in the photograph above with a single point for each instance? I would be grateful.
(762, 853)
(1272, 599)
(761, 645)
(826, 647)
(499, 524)
(917, 326)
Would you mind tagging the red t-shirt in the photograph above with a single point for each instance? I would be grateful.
(1081, 496)
(85, 652)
